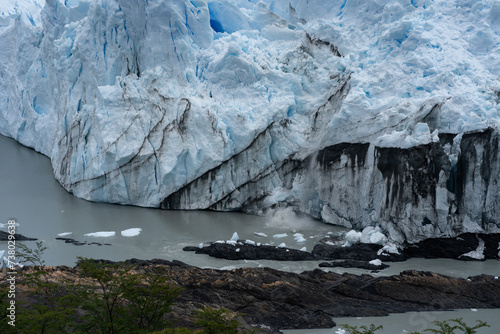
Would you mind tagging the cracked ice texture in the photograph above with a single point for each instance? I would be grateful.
(220, 104)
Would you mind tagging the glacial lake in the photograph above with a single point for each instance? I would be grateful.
(31, 196)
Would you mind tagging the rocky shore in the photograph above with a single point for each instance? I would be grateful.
(272, 300)
(466, 247)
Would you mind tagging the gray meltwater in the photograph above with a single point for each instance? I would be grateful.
(43, 209)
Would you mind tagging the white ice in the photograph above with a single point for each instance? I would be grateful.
(131, 232)
(102, 234)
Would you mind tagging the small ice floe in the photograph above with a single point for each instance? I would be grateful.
(237, 250)
(260, 234)
(376, 262)
(250, 242)
(473, 309)
(299, 237)
(235, 237)
(131, 232)
(200, 246)
(6, 224)
(496, 277)
(64, 234)
(282, 245)
(280, 235)
(304, 249)
(102, 234)
(340, 331)
(231, 242)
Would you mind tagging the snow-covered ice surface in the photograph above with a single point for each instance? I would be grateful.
(236, 105)
(101, 234)
(131, 232)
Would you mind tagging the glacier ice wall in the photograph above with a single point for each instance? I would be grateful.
(355, 112)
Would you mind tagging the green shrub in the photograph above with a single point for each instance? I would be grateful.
(364, 329)
(124, 302)
(446, 328)
(217, 320)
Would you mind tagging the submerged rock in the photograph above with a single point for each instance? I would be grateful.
(354, 264)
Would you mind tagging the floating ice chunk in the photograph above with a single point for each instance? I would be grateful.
(235, 237)
(280, 235)
(376, 262)
(473, 309)
(304, 249)
(250, 242)
(131, 232)
(64, 234)
(102, 234)
(352, 237)
(260, 234)
(478, 253)
(231, 242)
(237, 250)
(282, 245)
(5, 225)
(496, 277)
(200, 245)
(299, 237)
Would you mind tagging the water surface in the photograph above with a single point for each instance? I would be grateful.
(30, 195)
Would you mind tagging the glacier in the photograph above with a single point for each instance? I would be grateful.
(359, 113)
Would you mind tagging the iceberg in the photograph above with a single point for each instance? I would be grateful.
(357, 113)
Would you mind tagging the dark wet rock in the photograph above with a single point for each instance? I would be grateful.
(4, 236)
(362, 252)
(454, 248)
(353, 264)
(243, 251)
(79, 243)
(273, 299)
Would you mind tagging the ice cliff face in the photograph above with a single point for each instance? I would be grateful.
(356, 112)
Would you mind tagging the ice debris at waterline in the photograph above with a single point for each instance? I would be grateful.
(358, 113)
